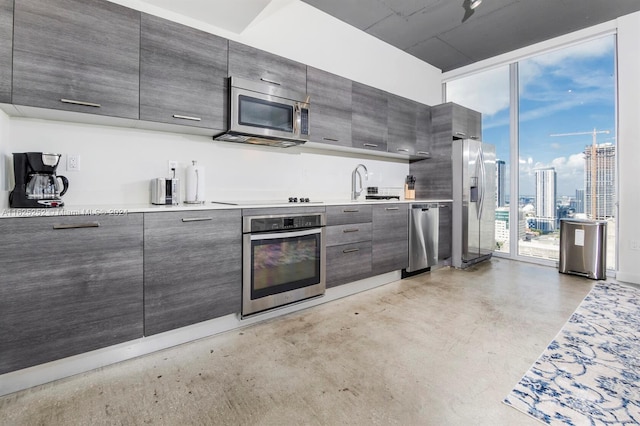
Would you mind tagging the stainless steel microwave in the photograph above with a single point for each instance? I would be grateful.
(264, 114)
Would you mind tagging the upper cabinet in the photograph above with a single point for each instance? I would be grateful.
(424, 139)
(6, 45)
(77, 55)
(183, 75)
(369, 117)
(455, 121)
(401, 125)
(330, 112)
(255, 64)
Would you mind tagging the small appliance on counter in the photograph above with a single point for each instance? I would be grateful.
(165, 190)
(195, 184)
(375, 193)
(410, 188)
(36, 182)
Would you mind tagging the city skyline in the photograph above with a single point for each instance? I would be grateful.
(570, 90)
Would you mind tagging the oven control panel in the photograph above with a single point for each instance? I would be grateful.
(280, 223)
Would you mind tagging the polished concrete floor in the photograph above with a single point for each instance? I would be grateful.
(441, 348)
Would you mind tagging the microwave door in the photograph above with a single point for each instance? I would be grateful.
(262, 114)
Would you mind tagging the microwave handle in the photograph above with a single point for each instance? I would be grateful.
(297, 119)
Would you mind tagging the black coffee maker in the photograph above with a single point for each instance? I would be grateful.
(37, 185)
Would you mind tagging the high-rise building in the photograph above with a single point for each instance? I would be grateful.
(546, 198)
(578, 203)
(599, 164)
(500, 183)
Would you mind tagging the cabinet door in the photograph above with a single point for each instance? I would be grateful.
(183, 75)
(444, 231)
(348, 262)
(69, 285)
(77, 55)
(402, 125)
(255, 64)
(390, 238)
(6, 49)
(330, 112)
(369, 118)
(192, 267)
(424, 139)
(465, 122)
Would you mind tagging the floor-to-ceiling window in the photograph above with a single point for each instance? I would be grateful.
(565, 143)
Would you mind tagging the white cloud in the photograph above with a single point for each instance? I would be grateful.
(487, 92)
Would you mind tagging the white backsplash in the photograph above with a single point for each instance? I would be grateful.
(117, 164)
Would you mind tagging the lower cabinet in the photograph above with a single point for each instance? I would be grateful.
(444, 231)
(348, 243)
(68, 285)
(192, 267)
(390, 238)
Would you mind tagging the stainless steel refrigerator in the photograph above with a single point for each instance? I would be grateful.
(474, 202)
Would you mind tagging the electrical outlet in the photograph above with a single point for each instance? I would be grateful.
(635, 244)
(73, 162)
(171, 166)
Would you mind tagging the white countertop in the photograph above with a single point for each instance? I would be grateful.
(97, 210)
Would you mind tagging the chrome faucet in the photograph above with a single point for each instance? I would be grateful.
(354, 192)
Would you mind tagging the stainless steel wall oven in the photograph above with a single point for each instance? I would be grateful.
(283, 260)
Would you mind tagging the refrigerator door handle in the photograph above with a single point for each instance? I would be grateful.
(482, 183)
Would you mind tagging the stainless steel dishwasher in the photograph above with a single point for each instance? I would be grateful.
(423, 236)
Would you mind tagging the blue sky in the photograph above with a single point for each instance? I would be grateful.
(565, 91)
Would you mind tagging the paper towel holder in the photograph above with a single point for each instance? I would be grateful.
(195, 184)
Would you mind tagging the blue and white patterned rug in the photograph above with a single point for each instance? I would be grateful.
(590, 373)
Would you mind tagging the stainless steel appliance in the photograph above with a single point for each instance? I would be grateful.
(473, 215)
(165, 191)
(423, 236)
(36, 182)
(283, 260)
(583, 248)
(265, 114)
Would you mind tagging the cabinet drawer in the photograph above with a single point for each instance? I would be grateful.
(350, 213)
(349, 233)
(348, 262)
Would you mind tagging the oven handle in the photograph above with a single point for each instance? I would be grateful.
(286, 234)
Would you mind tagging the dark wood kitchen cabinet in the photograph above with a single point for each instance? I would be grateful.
(183, 75)
(6, 49)
(424, 139)
(255, 64)
(348, 243)
(369, 118)
(69, 284)
(390, 238)
(330, 107)
(77, 55)
(451, 120)
(402, 125)
(192, 267)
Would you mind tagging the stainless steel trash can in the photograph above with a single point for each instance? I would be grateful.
(583, 248)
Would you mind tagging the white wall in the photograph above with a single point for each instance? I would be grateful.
(628, 146)
(117, 164)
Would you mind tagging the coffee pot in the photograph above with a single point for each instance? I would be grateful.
(37, 185)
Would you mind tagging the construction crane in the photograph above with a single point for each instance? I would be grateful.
(594, 171)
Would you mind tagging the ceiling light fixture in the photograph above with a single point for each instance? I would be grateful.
(475, 3)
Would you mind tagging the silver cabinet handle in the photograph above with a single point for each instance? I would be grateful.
(442, 206)
(196, 219)
(350, 210)
(74, 102)
(350, 230)
(461, 134)
(393, 208)
(475, 137)
(76, 225)
(186, 117)
(425, 153)
(370, 145)
(402, 150)
(270, 81)
(330, 139)
(350, 250)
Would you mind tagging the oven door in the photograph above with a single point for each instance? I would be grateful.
(281, 268)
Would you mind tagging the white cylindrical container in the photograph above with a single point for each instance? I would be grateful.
(195, 184)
